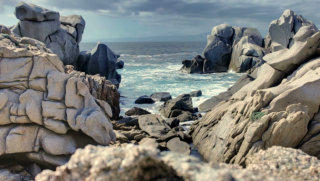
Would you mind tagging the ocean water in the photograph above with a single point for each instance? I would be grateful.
(154, 67)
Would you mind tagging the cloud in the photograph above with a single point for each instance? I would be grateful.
(180, 16)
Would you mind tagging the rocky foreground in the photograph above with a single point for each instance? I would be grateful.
(58, 122)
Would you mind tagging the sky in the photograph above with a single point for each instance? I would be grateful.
(121, 20)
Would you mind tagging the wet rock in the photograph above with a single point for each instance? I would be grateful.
(119, 64)
(136, 111)
(103, 61)
(161, 96)
(144, 100)
(175, 107)
(197, 93)
(155, 126)
(196, 65)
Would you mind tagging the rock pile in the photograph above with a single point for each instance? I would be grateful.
(144, 162)
(241, 49)
(180, 109)
(45, 113)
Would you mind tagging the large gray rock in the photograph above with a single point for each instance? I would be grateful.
(38, 30)
(282, 31)
(30, 12)
(75, 25)
(64, 45)
(246, 54)
(219, 48)
(61, 35)
(196, 65)
(227, 44)
(101, 60)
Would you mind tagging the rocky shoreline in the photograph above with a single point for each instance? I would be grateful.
(59, 108)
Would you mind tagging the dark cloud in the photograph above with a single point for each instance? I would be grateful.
(229, 10)
(179, 8)
(180, 16)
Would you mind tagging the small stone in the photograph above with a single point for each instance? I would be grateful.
(197, 93)
(161, 96)
(144, 100)
(176, 145)
(136, 111)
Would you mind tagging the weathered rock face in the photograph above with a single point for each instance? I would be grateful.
(101, 60)
(100, 88)
(284, 31)
(144, 162)
(267, 111)
(45, 113)
(61, 35)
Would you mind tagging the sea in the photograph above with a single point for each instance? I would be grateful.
(155, 67)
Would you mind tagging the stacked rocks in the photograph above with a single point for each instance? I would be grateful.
(62, 35)
(241, 49)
